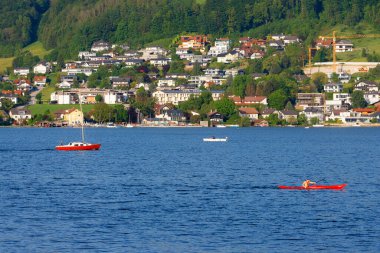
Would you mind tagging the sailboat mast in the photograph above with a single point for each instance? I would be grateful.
(82, 122)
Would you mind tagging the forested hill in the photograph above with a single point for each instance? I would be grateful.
(72, 25)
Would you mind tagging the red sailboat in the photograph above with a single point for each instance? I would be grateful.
(79, 145)
(314, 187)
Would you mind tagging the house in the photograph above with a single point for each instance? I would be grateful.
(343, 46)
(169, 82)
(257, 54)
(86, 55)
(371, 97)
(172, 115)
(21, 71)
(289, 115)
(196, 42)
(222, 45)
(314, 112)
(20, 115)
(99, 46)
(159, 62)
(69, 78)
(11, 97)
(249, 112)
(249, 100)
(267, 112)
(276, 44)
(366, 86)
(87, 96)
(230, 57)
(215, 117)
(73, 116)
(310, 100)
(120, 82)
(39, 81)
(244, 40)
(153, 52)
(64, 85)
(133, 62)
(333, 87)
(214, 72)
(280, 36)
(258, 75)
(177, 96)
(23, 84)
(339, 101)
(323, 43)
(76, 71)
(338, 115)
(233, 72)
(42, 68)
(290, 39)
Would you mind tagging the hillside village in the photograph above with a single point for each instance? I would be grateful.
(198, 81)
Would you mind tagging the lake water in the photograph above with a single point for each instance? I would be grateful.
(165, 190)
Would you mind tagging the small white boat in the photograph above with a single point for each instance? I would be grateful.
(111, 125)
(129, 125)
(318, 125)
(307, 127)
(221, 126)
(213, 139)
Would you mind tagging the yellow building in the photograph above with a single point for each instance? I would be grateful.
(73, 116)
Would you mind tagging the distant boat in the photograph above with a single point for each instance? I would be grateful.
(220, 126)
(307, 127)
(213, 139)
(111, 125)
(232, 125)
(79, 145)
(129, 125)
(318, 125)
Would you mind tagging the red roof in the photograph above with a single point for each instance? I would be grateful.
(247, 100)
(39, 78)
(364, 110)
(249, 110)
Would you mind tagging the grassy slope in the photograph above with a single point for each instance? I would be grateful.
(5, 62)
(35, 48)
(40, 109)
(46, 92)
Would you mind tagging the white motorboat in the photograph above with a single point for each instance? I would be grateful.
(213, 139)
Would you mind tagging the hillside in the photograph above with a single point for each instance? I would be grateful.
(72, 25)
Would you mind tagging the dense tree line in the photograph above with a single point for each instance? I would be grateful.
(72, 25)
(19, 23)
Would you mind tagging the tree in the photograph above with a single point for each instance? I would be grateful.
(314, 121)
(301, 119)
(319, 79)
(277, 99)
(225, 106)
(245, 122)
(101, 112)
(6, 104)
(98, 98)
(358, 100)
(39, 98)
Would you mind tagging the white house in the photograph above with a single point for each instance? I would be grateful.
(249, 112)
(371, 97)
(230, 57)
(40, 81)
(166, 82)
(343, 46)
(153, 52)
(11, 97)
(99, 46)
(160, 61)
(366, 86)
(333, 87)
(20, 115)
(314, 112)
(64, 85)
(76, 71)
(42, 68)
(222, 45)
(21, 71)
(177, 96)
(85, 55)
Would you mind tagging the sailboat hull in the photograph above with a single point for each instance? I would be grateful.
(83, 147)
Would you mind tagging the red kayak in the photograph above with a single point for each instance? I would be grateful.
(314, 187)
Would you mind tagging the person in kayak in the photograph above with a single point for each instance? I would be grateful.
(307, 183)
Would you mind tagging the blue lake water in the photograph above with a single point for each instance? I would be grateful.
(165, 190)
